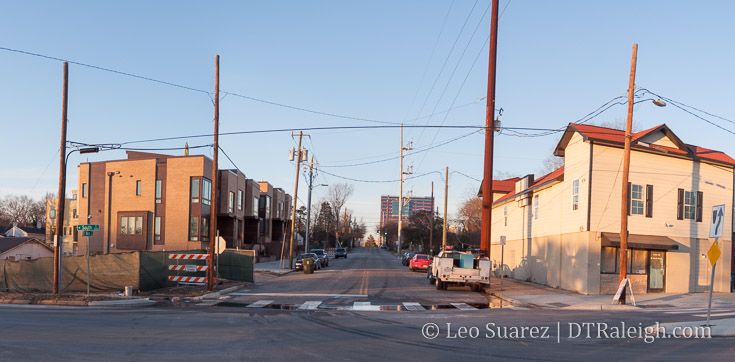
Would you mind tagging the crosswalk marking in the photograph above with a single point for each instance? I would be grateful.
(310, 305)
(364, 306)
(413, 306)
(463, 306)
(260, 304)
(698, 310)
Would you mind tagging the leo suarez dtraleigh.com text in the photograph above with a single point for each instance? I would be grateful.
(565, 331)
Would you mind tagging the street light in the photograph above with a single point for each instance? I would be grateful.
(61, 197)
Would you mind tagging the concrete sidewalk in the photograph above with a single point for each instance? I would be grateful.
(528, 294)
(273, 267)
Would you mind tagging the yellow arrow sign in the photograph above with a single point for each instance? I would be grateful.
(714, 253)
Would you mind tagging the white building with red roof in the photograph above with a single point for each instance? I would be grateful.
(563, 229)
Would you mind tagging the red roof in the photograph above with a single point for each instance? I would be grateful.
(507, 185)
(544, 179)
(596, 133)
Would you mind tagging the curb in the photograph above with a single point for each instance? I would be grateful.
(122, 303)
(513, 302)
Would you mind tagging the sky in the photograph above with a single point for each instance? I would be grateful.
(288, 64)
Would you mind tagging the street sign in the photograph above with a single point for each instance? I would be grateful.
(502, 240)
(88, 227)
(88, 233)
(718, 221)
(714, 253)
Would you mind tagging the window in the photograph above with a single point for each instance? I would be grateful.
(195, 190)
(575, 194)
(137, 187)
(206, 191)
(159, 184)
(131, 225)
(610, 261)
(157, 228)
(73, 195)
(505, 215)
(690, 205)
(231, 205)
(535, 207)
(239, 200)
(636, 199)
(74, 213)
(194, 229)
(84, 190)
(205, 229)
(256, 203)
(139, 225)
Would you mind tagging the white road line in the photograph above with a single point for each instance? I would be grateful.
(260, 304)
(714, 315)
(310, 305)
(365, 306)
(208, 303)
(299, 295)
(463, 306)
(413, 306)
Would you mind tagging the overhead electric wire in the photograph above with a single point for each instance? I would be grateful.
(378, 181)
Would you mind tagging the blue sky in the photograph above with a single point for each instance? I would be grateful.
(557, 61)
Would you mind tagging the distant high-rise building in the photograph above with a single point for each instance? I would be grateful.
(411, 206)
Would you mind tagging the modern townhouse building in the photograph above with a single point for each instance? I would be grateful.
(69, 234)
(411, 205)
(563, 229)
(162, 202)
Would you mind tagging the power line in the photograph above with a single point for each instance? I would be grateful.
(378, 181)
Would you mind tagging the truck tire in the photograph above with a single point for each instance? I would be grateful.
(440, 285)
(432, 281)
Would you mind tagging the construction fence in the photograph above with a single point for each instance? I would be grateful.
(143, 270)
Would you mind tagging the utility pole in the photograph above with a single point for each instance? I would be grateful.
(295, 198)
(58, 250)
(431, 221)
(626, 171)
(213, 212)
(487, 185)
(446, 189)
(400, 198)
(308, 204)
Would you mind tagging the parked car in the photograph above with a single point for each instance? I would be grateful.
(323, 257)
(299, 265)
(407, 258)
(384, 247)
(419, 261)
(340, 253)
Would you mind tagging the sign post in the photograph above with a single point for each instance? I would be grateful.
(88, 231)
(502, 255)
(715, 231)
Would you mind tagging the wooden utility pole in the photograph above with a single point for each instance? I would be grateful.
(487, 185)
(446, 189)
(295, 198)
(213, 212)
(62, 184)
(626, 171)
(400, 199)
(431, 221)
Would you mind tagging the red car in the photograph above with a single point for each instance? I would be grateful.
(419, 261)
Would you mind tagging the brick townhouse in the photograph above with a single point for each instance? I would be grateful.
(162, 202)
(563, 229)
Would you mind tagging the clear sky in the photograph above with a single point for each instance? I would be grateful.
(390, 61)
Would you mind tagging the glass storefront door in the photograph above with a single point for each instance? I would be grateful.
(656, 271)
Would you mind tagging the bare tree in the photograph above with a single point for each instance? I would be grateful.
(337, 196)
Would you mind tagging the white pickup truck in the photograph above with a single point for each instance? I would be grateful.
(459, 268)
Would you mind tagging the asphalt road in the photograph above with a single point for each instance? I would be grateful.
(367, 275)
(243, 333)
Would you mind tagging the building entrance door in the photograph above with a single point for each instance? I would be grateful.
(656, 271)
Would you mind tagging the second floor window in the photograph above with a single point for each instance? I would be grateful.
(689, 205)
(636, 199)
(84, 190)
(159, 184)
(137, 188)
(505, 215)
(239, 200)
(535, 207)
(575, 194)
(231, 205)
(206, 191)
(256, 203)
